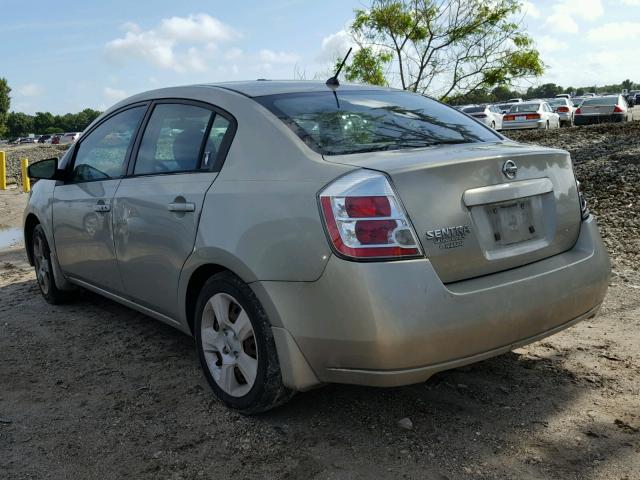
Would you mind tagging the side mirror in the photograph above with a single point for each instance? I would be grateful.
(45, 170)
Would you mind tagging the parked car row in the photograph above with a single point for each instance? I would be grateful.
(563, 110)
(54, 138)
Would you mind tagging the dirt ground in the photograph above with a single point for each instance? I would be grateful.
(93, 390)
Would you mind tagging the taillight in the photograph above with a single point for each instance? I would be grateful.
(509, 118)
(617, 109)
(480, 115)
(365, 219)
(533, 116)
(584, 208)
(563, 109)
(578, 112)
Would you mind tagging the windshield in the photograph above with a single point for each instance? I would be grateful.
(600, 101)
(524, 107)
(368, 120)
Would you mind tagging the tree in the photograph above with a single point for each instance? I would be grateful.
(627, 84)
(19, 124)
(5, 103)
(43, 121)
(445, 48)
(367, 66)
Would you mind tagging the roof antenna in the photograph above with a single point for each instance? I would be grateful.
(333, 82)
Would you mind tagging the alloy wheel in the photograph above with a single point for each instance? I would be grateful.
(229, 344)
(42, 265)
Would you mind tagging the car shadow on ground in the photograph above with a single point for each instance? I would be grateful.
(131, 387)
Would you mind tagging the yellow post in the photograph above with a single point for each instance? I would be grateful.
(26, 183)
(3, 171)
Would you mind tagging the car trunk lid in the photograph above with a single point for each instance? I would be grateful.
(473, 218)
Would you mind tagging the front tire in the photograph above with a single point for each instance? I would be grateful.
(44, 268)
(236, 346)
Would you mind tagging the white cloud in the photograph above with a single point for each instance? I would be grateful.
(631, 3)
(199, 28)
(564, 14)
(530, 10)
(30, 90)
(334, 46)
(269, 56)
(113, 94)
(160, 46)
(614, 31)
(233, 53)
(549, 44)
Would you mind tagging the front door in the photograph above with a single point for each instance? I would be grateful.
(82, 206)
(157, 208)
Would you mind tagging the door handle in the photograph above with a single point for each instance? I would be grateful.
(102, 207)
(182, 207)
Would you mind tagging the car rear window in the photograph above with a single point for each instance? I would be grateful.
(557, 102)
(473, 109)
(600, 101)
(369, 120)
(524, 107)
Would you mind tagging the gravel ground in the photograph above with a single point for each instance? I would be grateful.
(93, 390)
(31, 152)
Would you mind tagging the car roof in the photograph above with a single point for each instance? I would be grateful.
(258, 88)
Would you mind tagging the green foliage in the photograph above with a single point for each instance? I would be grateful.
(5, 103)
(21, 124)
(445, 48)
(548, 90)
(367, 66)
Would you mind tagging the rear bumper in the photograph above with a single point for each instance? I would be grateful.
(523, 125)
(396, 323)
(591, 119)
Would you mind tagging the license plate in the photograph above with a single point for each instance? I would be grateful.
(512, 223)
(521, 117)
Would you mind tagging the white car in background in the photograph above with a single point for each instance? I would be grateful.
(530, 115)
(565, 109)
(68, 138)
(490, 115)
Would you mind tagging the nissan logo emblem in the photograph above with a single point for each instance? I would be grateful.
(510, 169)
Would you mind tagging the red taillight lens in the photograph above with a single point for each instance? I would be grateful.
(533, 116)
(578, 112)
(617, 109)
(363, 207)
(374, 232)
(365, 219)
(563, 109)
(509, 118)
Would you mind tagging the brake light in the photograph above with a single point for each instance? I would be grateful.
(365, 219)
(509, 118)
(578, 112)
(563, 109)
(533, 116)
(617, 109)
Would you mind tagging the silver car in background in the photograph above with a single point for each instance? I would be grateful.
(611, 108)
(306, 235)
(565, 109)
(490, 115)
(532, 114)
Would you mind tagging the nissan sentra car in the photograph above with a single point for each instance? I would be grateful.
(307, 235)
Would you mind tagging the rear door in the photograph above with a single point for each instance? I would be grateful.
(157, 207)
(82, 206)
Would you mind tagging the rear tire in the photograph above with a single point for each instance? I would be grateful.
(236, 347)
(44, 269)
(493, 125)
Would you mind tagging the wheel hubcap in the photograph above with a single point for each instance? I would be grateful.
(41, 265)
(229, 345)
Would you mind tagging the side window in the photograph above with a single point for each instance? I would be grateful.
(219, 129)
(102, 153)
(172, 139)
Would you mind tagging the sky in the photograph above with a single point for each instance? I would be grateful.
(92, 54)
